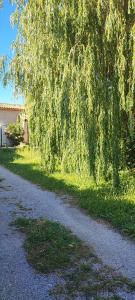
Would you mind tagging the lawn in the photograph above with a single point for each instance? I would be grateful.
(102, 201)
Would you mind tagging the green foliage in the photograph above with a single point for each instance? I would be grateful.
(75, 65)
(14, 132)
(130, 153)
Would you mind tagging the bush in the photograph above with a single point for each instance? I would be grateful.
(130, 154)
(15, 132)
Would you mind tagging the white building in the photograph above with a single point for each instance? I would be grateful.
(8, 114)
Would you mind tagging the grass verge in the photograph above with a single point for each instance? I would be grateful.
(51, 247)
(102, 201)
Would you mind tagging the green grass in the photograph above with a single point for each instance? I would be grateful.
(51, 248)
(102, 201)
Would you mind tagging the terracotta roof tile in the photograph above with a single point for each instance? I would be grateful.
(17, 107)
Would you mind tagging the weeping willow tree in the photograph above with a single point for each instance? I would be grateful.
(75, 64)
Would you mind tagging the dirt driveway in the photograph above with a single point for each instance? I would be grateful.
(20, 197)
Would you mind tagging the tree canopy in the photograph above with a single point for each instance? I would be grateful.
(75, 64)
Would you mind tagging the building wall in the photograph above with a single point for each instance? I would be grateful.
(6, 117)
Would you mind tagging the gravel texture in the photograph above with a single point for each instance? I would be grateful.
(19, 197)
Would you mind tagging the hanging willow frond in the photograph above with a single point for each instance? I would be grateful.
(75, 64)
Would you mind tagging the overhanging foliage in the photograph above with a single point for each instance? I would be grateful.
(75, 64)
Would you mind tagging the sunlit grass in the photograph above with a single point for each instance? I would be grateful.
(102, 201)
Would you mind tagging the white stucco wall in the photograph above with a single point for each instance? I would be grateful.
(6, 117)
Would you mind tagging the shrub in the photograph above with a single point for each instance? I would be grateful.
(14, 132)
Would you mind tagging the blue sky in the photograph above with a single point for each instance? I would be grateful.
(7, 36)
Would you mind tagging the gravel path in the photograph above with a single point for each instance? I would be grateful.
(16, 276)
